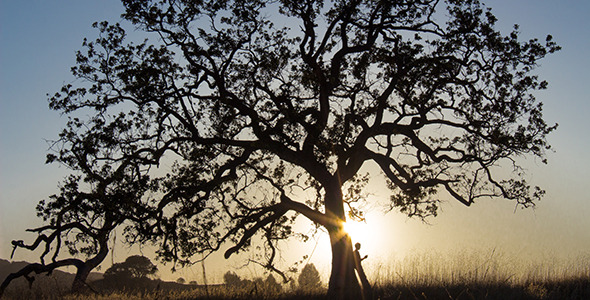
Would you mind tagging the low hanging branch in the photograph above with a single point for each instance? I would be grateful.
(39, 269)
(81, 218)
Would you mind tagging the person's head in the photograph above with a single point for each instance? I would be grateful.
(357, 246)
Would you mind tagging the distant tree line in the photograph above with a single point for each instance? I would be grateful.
(257, 285)
(308, 280)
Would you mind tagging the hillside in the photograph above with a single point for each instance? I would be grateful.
(59, 281)
(58, 284)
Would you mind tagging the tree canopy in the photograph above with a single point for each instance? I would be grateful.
(268, 110)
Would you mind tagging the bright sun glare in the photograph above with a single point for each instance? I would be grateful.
(361, 232)
(376, 235)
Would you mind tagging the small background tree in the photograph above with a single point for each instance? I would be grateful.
(135, 273)
(135, 266)
(272, 286)
(309, 279)
(232, 279)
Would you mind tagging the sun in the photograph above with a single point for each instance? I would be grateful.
(363, 232)
(355, 229)
(377, 235)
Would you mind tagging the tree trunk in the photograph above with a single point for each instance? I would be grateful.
(79, 285)
(343, 283)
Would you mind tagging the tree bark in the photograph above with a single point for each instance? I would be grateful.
(343, 283)
(79, 284)
(83, 269)
(38, 268)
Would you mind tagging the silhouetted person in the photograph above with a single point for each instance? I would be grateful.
(365, 285)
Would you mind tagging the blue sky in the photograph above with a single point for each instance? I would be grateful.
(38, 40)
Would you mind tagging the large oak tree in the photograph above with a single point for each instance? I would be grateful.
(269, 109)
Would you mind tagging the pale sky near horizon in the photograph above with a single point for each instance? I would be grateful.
(38, 40)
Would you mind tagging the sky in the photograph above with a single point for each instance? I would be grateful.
(38, 40)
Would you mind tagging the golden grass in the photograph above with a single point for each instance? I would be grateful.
(478, 275)
(463, 275)
(473, 267)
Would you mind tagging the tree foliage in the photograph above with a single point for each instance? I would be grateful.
(90, 205)
(134, 267)
(271, 285)
(309, 278)
(266, 122)
(232, 279)
(268, 286)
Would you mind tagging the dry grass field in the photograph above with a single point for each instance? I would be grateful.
(421, 276)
